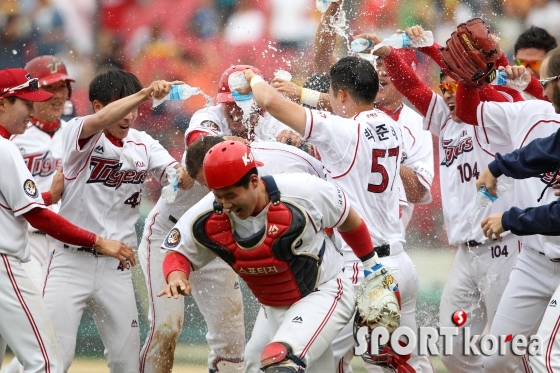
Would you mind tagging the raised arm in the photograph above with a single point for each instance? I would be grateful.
(119, 109)
(325, 39)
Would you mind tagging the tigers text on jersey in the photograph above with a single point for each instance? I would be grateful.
(325, 204)
(18, 194)
(518, 124)
(103, 182)
(462, 159)
(213, 121)
(362, 155)
(41, 152)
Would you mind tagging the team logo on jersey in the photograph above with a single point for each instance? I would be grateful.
(211, 125)
(173, 238)
(98, 149)
(452, 152)
(548, 178)
(109, 173)
(30, 188)
(41, 165)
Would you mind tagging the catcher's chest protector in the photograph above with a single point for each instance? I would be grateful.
(266, 261)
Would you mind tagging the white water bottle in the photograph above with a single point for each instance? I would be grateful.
(178, 92)
(323, 5)
(485, 199)
(402, 40)
(519, 84)
(360, 45)
(169, 192)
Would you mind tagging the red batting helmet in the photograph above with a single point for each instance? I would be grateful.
(226, 163)
(224, 93)
(49, 70)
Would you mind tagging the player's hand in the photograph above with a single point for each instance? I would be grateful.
(516, 72)
(249, 74)
(177, 284)
(287, 88)
(159, 89)
(57, 186)
(185, 181)
(486, 179)
(116, 249)
(492, 227)
(413, 32)
(375, 39)
(289, 137)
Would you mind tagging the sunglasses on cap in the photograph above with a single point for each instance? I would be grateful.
(535, 65)
(546, 80)
(450, 87)
(31, 85)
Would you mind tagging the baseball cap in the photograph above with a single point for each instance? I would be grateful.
(18, 83)
(226, 163)
(408, 55)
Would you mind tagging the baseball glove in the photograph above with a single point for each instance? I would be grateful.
(377, 306)
(471, 54)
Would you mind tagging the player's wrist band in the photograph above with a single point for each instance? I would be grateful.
(256, 79)
(176, 262)
(310, 97)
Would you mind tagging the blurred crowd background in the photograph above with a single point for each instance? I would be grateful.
(195, 40)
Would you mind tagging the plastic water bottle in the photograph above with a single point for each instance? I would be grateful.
(169, 192)
(283, 74)
(485, 199)
(178, 92)
(323, 5)
(360, 45)
(501, 79)
(402, 40)
(237, 81)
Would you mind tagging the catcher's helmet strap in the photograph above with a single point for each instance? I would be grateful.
(272, 189)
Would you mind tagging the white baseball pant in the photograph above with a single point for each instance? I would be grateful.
(75, 280)
(549, 361)
(216, 291)
(533, 281)
(476, 282)
(25, 323)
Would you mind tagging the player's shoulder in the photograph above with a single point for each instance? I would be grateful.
(211, 118)
(411, 115)
(205, 204)
(299, 184)
(8, 148)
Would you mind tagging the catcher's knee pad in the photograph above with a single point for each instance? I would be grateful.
(222, 365)
(277, 357)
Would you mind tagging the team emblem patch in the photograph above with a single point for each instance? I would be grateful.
(173, 238)
(30, 188)
(210, 124)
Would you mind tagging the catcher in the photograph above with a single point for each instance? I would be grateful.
(271, 231)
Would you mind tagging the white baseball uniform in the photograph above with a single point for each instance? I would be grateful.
(534, 279)
(42, 153)
(223, 311)
(25, 323)
(417, 155)
(310, 324)
(103, 189)
(481, 269)
(364, 161)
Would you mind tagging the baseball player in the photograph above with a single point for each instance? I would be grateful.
(368, 145)
(226, 345)
(41, 147)
(271, 231)
(481, 267)
(25, 323)
(536, 158)
(105, 164)
(526, 296)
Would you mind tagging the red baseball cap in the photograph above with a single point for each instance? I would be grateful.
(18, 83)
(226, 163)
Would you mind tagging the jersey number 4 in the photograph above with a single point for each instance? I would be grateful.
(134, 200)
(376, 167)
